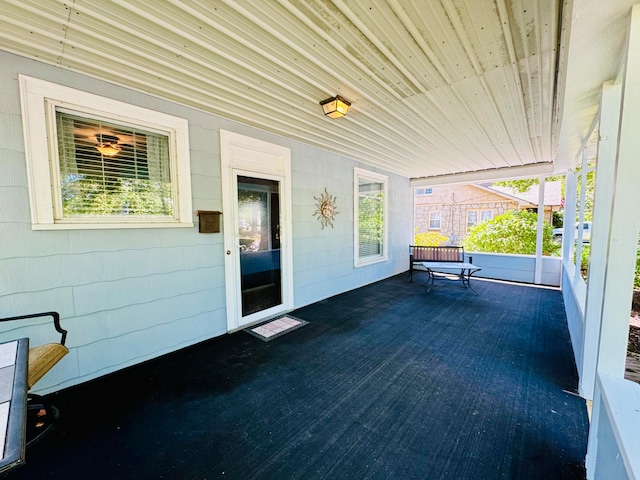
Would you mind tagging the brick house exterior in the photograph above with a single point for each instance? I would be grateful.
(452, 209)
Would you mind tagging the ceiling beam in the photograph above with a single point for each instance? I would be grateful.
(489, 175)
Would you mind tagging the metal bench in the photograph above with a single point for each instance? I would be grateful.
(447, 260)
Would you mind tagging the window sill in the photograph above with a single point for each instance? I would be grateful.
(108, 226)
(372, 261)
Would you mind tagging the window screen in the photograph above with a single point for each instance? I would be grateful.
(472, 218)
(370, 217)
(434, 220)
(109, 169)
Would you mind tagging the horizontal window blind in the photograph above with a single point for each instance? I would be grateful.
(108, 169)
(434, 220)
(370, 218)
(472, 218)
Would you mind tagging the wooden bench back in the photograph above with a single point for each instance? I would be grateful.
(436, 254)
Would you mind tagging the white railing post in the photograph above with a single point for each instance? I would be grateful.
(569, 216)
(583, 196)
(608, 131)
(538, 266)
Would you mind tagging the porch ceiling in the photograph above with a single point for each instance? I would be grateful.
(437, 88)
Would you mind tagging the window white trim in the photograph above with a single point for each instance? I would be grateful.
(359, 173)
(42, 170)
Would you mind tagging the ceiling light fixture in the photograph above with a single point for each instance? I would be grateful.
(107, 145)
(335, 107)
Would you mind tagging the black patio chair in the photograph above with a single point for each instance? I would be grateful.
(41, 415)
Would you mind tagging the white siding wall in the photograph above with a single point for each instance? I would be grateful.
(130, 295)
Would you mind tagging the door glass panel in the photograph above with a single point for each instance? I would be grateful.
(259, 234)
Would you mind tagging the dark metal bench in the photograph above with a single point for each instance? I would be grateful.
(442, 259)
(419, 254)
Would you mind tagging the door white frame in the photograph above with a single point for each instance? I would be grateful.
(246, 156)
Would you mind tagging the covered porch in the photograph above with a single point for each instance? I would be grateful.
(404, 383)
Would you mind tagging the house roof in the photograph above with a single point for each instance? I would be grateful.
(491, 88)
(552, 193)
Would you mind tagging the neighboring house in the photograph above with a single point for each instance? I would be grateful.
(452, 210)
(553, 198)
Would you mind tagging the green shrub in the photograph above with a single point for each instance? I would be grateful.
(512, 232)
(429, 239)
(636, 279)
(584, 259)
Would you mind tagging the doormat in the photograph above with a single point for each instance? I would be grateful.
(275, 328)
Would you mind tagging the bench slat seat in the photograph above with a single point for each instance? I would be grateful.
(42, 359)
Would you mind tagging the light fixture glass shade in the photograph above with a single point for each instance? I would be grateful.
(108, 149)
(335, 107)
(107, 144)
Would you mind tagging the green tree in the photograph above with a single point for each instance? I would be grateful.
(371, 223)
(512, 232)
(523, 184)
(83, 196)
(589, 194)
(636, 279)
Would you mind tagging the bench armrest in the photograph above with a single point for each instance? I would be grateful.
(56, 322)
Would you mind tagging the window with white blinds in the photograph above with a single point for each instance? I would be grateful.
(96, 162)
(435, 218)
(108, 169)
(370, 206)
(472, 218)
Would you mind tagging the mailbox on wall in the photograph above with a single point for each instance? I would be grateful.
(208, 221)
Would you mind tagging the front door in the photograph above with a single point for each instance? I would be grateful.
(257, 229)
(259, 244)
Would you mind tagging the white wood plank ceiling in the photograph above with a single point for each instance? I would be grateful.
(438, 87)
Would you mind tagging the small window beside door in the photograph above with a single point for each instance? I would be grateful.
(371, 214)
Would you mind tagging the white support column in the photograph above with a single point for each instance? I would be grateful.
(538, 267)
(607, 146)
(624, 219)
(605, 451)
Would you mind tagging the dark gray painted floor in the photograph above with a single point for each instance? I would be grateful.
(388, 381)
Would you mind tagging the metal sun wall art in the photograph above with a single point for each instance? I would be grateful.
(325, 208)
